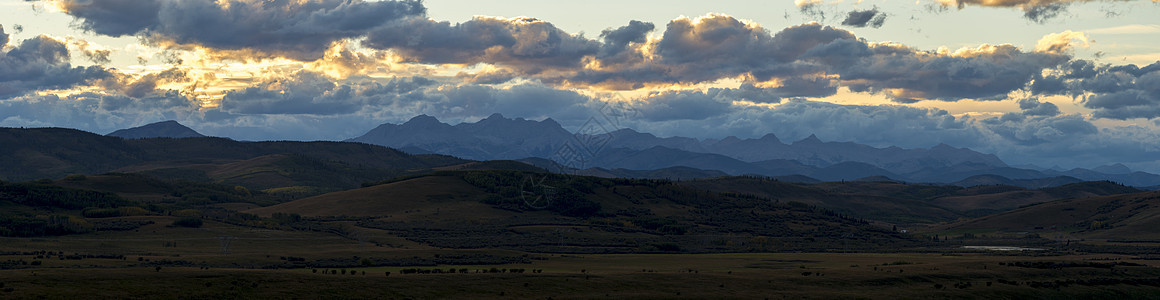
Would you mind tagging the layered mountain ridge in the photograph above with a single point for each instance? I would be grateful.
(499, 138)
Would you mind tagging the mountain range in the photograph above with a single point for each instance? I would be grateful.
(500, 138)
(628, 153)
(282, 170)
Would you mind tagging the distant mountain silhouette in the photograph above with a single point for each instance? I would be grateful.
(1113, 169)
(1036, 183)
(166, 129)
(497, 137)
(492, 138)
(35, 153)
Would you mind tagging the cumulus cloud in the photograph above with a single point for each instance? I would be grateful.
(618, 41)
(309, 93)
(988, 72)
(1062, 42)
(529, 44)
(41, 63)
(1023, 130)
(683, 105)
(1032, 107)
(715, 47)
(296, 29)
(862, 18)
(1115, 92)
(809, 60)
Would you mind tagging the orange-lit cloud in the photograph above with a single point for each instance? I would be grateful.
(1062, 42)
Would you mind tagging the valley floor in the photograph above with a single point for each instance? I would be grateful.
(553, 276)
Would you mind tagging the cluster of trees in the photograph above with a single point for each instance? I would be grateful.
(190, 222)
(42, 194)
(520, 191)
(32, 226)
(465, 271)
(459, 259)
(64, 210)
(715, 221)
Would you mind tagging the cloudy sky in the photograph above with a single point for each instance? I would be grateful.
(1069, 83)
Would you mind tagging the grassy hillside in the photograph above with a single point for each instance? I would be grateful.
(28, 154)
(293, 168)
(414, 199)
(1131, 216)
(902, 203)
(550, 212)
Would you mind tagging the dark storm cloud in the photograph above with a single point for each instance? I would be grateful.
(986, 73)
(42, 63)
(313, 95)
(801, 86)
(528, 44)
(295, 29)
(689, 51)
(1114, 92)
(715, 47)
(1038, 130)
(1032, 107)
(308, 93)
(862, 18)
(683, 105)
(115, 17)
(749, 92)
(303, 93)
(617, 40)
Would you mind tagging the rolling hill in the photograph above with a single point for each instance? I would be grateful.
(1129, 216)
(498, 208)
(902, 203)
(28, 154)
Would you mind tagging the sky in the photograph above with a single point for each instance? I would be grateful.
(1067, 83)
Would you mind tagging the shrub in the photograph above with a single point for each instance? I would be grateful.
(188, 222)
(94, 212)
(187, 213)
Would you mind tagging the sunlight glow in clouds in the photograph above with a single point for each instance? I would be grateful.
(332, 69)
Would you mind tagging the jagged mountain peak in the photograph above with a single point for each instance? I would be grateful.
(771, 138)
(943, 146)
(812, 139)
(498, 137)
(423, 120)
